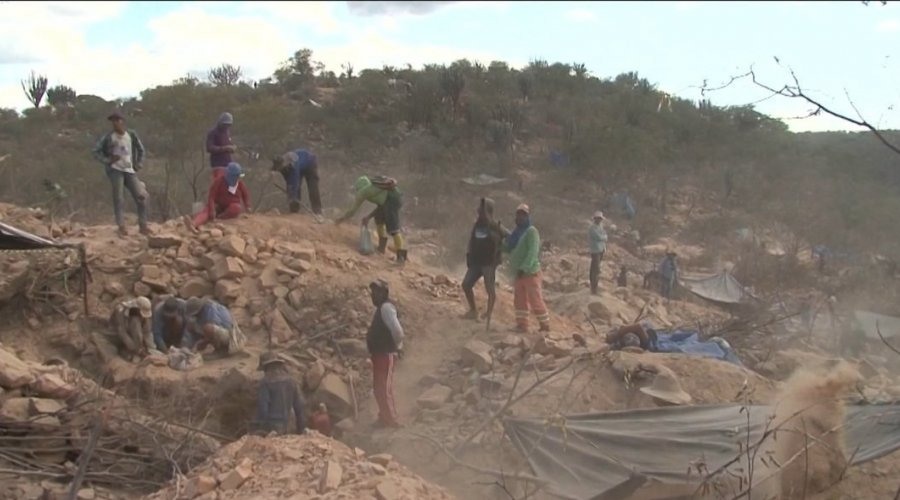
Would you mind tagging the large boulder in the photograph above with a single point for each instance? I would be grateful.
(14, 373)
(163, 241)
(226, 268)
(196, 287)
(336, 395)
(435, 397)
(478, 354)
(232, 246)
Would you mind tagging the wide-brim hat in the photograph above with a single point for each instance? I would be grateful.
(599, 215)
(269, 358)
(193, 306)
(665, 386)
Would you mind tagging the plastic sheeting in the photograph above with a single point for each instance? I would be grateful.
(722, 287)
(16, 239)
(688, 342)
(483, 180)
(599, 452)
(871, 322)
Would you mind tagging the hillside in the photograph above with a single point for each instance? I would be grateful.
(303, 285)
(727, 188)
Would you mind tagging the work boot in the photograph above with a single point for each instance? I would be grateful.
(145, 230)
(122, 231)
(382, 245)
(401, 256)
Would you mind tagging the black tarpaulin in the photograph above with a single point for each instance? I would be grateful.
(597, 452)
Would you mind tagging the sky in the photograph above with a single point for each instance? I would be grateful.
(843, 53)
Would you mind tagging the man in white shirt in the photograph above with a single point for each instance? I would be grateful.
(122, 153)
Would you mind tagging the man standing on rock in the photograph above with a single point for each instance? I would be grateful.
(169, 327)
(122, 152)
(130, 320)
(384, 341)
(484, 254)
(219, 146)
(278, 394)
(295, 166)
(668, 269)
(598, 237)
(228, 198)
(212, 324)
(524, 247)
(384, 193)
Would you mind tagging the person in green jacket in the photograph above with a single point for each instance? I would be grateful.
(387, 198)
(524, 248)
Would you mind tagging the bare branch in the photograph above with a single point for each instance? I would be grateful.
(878, 330)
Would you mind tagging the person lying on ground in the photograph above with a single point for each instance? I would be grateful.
(212, 325)
(388, 200)
(130, 320)
(297, 166)
(277, 396)
(228, 198)
(633, 335)
(169, 326)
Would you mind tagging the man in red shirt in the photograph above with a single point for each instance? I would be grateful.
(228, 197)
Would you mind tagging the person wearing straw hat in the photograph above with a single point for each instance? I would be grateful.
(277, 396)
(597, 237)
(666, 390)
(122, 152)
(524, 248)
(212, 324)
(130, 320)
(228, 197)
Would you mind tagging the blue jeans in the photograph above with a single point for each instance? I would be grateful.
(121, 181)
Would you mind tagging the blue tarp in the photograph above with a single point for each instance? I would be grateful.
(559, 159)
(688, 342)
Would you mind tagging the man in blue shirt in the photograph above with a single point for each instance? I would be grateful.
(295, 166)
(211, 324)
(168, 325)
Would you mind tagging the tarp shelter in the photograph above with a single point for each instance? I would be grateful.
(596, 453)
(722, 287)
(871, 322)
(16, 240)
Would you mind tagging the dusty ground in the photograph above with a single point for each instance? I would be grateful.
(329, 292)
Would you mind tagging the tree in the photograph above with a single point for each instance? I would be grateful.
(348, 71)
(452, 84)
(61, 96)
(225, 75)
(35, 86)
(297, 71)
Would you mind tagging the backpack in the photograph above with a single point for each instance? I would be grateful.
(384, 182)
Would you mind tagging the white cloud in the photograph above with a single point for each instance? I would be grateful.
(580, 16)
(194, 38)
(888, 26)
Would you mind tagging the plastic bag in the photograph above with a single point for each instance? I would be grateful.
(366, 246)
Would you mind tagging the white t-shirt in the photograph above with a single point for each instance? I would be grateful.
(121, 145)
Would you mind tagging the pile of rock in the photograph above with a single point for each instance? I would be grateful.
(50, 415)
(298, 466)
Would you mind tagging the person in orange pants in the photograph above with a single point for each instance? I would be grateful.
(524, 248)
(385, 342)
(228, 198)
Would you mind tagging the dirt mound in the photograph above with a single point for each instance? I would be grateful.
(299, 466)
(52, 418)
